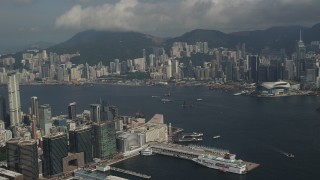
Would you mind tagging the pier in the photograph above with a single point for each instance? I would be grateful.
(193, 151)
(130, 173)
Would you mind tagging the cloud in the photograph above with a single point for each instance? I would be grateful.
(170, 17)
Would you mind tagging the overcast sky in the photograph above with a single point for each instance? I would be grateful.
(26, 21)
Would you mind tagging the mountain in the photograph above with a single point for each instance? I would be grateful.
(95, 46)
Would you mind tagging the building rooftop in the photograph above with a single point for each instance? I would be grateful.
(9, 173)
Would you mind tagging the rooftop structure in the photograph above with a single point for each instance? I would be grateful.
(273, 88)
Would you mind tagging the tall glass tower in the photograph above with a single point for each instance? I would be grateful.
(72, 113)
(14, 100)
(45, 119)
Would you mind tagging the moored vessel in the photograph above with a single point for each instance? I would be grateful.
(228, 163)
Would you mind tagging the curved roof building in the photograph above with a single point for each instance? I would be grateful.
(276, 85)
(273, 88)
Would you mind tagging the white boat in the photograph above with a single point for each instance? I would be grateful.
(216, 137)
(228, 163)
(288, 155)
(199, 99)
(237, 94)
(146, 152)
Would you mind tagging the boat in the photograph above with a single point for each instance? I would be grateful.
(228, 163)
(146, 152)
(289, 155)
(190, 139)
(216, 137)
(154, 96)
(166, 100)
(199, 99)
(237, 94)
(167, 94)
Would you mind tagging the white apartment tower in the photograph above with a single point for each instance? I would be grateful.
(14, 99)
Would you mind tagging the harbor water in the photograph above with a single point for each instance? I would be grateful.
(260, 130)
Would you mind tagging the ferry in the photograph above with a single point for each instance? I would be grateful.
(166, 100)
(190, 139)
(146, 152)
(216, 137)
(228, 163)
(289, 155)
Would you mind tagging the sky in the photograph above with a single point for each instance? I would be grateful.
(24, 22)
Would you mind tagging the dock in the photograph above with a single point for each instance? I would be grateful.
(130, 173)
(193, 151)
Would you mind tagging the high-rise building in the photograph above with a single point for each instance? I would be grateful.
(72, 113)
(95, 112)
(14, 100)
(3, 111)
(22, 157)
(104, 141)
(35, 108)
(301, 55)
(55, 148)
(45, 119)
(254, 62)
(81, 141)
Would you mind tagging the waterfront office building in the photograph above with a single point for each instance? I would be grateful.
(72, 113)
(45, 119)
(22, 157)
(55, 148)
(104, 141)
(81, 141)
(14, 100)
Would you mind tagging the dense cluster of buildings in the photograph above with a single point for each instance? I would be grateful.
(41, 146)
(224, 65)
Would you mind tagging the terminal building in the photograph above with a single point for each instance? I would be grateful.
(273, 88)
(153, 131)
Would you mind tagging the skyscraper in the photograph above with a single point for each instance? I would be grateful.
(22, 157)
(104, 142)
(14, 99)
(95, 112)
(301, 55)
(81, 141)
(3, 110)
(35, 108)
(45, 119)
(55, 148)
(254, 62)
(72, 113)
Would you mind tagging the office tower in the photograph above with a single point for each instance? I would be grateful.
(35, 108)
(301, 55)
(14, 99)
(22, 157)
(95, 112)
(72, 113)
(81, 141)
(104, 141)
(45, 119)
(3, 111)
(254, 62)
(169, 69)
(55, 148)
